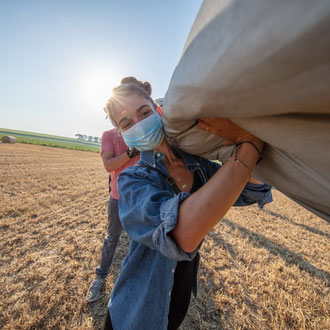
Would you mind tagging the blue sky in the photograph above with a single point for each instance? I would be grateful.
(59, 60)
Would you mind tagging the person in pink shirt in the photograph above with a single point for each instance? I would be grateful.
(116, 157)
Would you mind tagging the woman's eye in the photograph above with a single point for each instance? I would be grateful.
(146, 112)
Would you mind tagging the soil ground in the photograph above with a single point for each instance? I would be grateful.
(260, 269)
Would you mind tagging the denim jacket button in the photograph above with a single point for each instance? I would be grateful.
(173, 270)
(169, 293)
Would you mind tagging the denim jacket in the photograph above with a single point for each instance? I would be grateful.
(148, 211)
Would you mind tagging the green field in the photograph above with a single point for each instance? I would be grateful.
(50, 140)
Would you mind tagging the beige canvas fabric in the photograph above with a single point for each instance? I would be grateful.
(266, 65)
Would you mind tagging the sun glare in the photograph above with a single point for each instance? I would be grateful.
(95, 86)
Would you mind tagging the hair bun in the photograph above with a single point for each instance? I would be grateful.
(129, 80)
(132, 80)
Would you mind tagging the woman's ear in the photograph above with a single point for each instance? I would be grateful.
(147, 88)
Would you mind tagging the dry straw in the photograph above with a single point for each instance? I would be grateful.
(259, 269)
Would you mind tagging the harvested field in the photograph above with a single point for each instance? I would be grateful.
(260, 269)
(51, 140)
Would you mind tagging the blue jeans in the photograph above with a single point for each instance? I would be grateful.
(111, 239)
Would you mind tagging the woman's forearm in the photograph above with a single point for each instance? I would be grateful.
(113, 163)
(201, 211)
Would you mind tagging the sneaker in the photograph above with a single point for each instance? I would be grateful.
(94, 291)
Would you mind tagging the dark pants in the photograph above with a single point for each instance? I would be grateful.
(107, 323)
(111, 240)
(184, 278)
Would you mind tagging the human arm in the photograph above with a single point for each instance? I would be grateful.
(223, 190)
(219, 126)
(255, 191)
(149, 212)
(112, 163)
(199, 213)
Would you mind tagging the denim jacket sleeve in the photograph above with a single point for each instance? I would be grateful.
(252, 193)
(255, 193)
(148, 212)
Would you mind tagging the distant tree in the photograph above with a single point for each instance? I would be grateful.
(79, 136)
(96, 139)
(84, 137)
(90, 138)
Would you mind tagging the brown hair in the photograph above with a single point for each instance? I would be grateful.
(128, 86)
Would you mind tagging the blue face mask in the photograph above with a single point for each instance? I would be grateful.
(145, 135)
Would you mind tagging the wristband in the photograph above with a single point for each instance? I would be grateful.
(235, 150)
(131, 153)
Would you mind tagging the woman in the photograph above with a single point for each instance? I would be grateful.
(168, 202)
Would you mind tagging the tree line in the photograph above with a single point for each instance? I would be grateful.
(88, 138)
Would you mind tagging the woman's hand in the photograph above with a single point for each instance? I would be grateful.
(229, 131)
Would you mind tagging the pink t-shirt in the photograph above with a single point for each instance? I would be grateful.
(113, 142)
